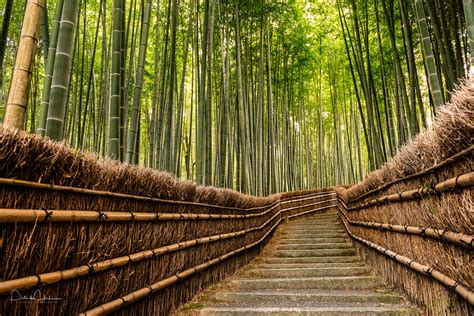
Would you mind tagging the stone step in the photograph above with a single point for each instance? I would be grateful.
(315, 253)
(294, 235)
(317, 220)
(311, 311)
(311, 229)
(321, 216)
(313, 240)
(307, 272)
(308, 265)
(308, 296)
(329, 283)
(340, 245)
(317, 227)
(330, 221)
(339, 259)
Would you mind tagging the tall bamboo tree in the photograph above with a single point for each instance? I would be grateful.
(132, 137)
(115, 88)
(62, 71)
(21, 79)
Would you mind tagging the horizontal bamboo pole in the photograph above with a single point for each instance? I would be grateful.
(60, 188)
(8, 216)
(461, 181)
(459, 288)
(307, 205)
(452, 284)
(84, 270)
(341, 201)
(155, 287)
(311, 211)
(292, 200)
(440, 165)
(460, 239)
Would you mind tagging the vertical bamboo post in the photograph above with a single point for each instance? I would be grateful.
(21, 78)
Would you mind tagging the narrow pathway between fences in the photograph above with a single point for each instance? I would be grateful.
(310, 268)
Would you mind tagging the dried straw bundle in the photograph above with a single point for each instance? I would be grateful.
(37, 248)
(450, 210)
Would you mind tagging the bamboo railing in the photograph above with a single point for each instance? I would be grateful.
(278, 211)
(460, 181)
(462, 154)
(84, 270)
(459, 239)
(101, 193)
(69, 216)
(162, 284)
(459, 288)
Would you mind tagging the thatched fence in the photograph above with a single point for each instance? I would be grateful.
(412, 220)
(85, 235)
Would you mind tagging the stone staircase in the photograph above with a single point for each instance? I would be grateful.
(309, 268)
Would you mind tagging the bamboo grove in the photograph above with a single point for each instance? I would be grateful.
(260, 96)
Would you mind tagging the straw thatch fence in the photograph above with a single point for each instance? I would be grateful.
(85, 235)
(412, 220)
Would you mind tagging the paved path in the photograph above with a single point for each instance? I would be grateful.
(310, 268)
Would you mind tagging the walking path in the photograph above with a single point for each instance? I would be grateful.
(310, 268)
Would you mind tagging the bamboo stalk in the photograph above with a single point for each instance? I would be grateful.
(440, 165)
(60, 188)
(84, 270)
(155, 287)
(452, 284)
(21, 77)
(460, 239)
(462, 181)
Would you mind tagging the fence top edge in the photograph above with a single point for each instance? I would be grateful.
(60, 188)
(440, 165)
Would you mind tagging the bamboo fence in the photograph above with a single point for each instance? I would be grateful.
(445, 163)
(459, 239)
(458, 182)
(58, 276)
(459, 288)
(162, 284)
(455, 246)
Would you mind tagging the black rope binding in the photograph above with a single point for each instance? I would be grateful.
(102, 216)
(49, 214)
(91, 268)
